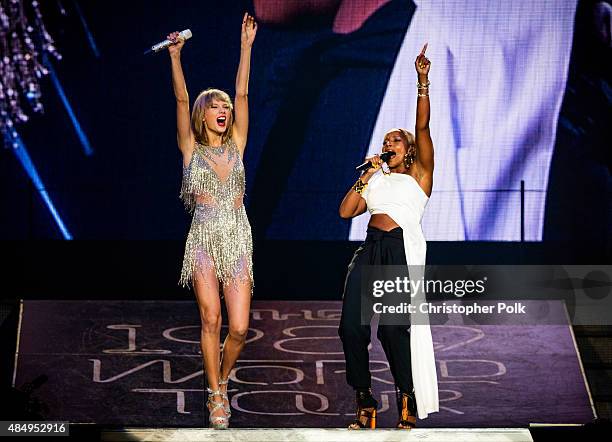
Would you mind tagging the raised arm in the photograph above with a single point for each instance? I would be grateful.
(184, 135)
(241, 102)
(424, 144)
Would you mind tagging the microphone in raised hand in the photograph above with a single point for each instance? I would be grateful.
(184, 35)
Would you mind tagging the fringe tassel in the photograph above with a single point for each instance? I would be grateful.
(220, 234)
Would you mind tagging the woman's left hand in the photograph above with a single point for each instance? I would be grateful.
(422, 63)
(249, 30)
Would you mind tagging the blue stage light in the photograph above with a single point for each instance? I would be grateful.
(90, 38)
(18, 147)
(75, 122)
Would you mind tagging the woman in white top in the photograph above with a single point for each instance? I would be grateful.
(396, 200)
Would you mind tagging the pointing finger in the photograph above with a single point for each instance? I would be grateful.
(423, 50)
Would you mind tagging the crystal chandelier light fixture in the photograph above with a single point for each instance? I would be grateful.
(24, 44)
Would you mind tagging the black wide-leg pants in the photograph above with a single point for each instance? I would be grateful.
(380, 248)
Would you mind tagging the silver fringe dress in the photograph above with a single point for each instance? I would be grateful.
(220, 234)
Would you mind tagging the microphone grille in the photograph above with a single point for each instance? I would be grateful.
(186, 34)
(386, 156)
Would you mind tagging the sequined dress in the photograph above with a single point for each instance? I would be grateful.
(220, 234)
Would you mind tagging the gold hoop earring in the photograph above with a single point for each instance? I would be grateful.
(408, 160)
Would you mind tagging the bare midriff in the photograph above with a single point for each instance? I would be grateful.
(382, 221)
(205, 199)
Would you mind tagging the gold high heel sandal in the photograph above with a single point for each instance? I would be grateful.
(406, 408)
(366, 408)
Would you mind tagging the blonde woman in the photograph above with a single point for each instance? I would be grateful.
(218, 252)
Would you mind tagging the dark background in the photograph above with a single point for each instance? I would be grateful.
(121, 204)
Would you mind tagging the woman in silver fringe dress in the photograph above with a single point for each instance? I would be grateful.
(218, 252)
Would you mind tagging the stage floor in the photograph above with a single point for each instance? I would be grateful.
(322, 435)
(138, 364)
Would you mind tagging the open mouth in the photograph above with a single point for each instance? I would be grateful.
(221, 120)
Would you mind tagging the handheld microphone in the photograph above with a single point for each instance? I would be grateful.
(385, 156)
(185, 35)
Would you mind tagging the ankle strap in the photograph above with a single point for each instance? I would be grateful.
(365, 398)
(364, 393)
(400, 391)
(223, 381)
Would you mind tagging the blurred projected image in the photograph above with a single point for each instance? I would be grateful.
(342, 75)
(520, 111)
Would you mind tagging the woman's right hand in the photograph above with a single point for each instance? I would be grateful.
(376, 164)
(175, 48)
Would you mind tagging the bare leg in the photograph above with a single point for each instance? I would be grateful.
(206, 289)
(238, 302)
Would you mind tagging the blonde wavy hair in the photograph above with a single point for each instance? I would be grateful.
(204, 101)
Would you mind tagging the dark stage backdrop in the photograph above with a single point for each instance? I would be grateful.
(318, 102)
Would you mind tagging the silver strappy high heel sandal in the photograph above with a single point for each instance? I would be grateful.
(216, 422)
(225, 397)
